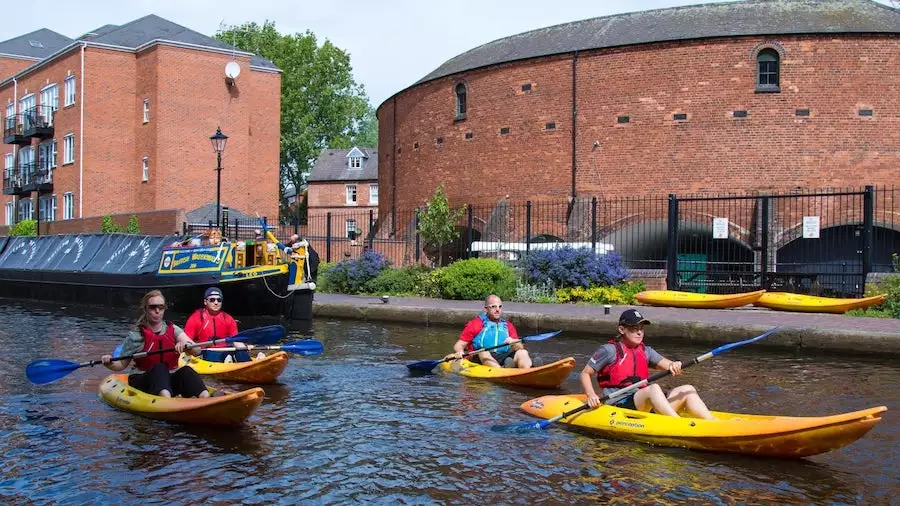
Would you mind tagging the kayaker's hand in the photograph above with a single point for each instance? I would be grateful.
(593, 401)
(180, 347)
(456, 355)
(675, 368)
(240, 346)
(106, 359)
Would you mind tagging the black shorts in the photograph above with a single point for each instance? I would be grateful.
(499, 357)
(626, 402)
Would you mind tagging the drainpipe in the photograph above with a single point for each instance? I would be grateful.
(81, 141)
(15, 148)
(574, 119)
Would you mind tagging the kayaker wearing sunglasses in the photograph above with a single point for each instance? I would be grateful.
(625, 360)
(151, 333)
(490, 329)
(212, 322)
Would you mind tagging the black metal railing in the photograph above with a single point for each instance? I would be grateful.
(38, 121)
(11, 179)
(12, 126)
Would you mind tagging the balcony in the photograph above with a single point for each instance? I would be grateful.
(37, 177)
(12, 183)
(13, 131)
(38, 122)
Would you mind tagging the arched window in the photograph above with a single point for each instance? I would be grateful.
(767, 70)
(460, 101)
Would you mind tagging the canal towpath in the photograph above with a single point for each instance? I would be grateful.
(798, 331)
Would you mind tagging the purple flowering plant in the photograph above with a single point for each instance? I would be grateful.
(569, 267)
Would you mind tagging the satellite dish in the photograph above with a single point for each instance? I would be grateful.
(232, 70)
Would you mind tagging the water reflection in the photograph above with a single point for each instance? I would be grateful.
(352, 426)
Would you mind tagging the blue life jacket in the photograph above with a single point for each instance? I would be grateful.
(492, 334)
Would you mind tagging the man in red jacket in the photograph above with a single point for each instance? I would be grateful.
(211, 322)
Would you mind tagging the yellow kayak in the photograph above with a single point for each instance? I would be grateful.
(759, 435)
(672, 298)
(257, 371)
(228, 410)
(811, 304)
(546, 376)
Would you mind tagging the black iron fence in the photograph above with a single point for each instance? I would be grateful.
(818, 242)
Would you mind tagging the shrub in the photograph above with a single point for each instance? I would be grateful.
(322, 276)
(23, 228)
(622, 293)
(405, 281)
(890, 308)
(133, 226)
(108, 226)
(527, 292)
(569, 267)
(351, 276)
(475, 279)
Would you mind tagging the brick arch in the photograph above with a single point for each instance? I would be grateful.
(768, 44)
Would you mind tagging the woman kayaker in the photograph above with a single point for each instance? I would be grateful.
(625, 360)
(489, 329)
(159, 375)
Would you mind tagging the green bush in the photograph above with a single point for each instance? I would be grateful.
(405, 281)
(133, 227)
(622, 293)
(322, 277)
(891, 307)
(108, 226)
(24, 228)
(475, 279)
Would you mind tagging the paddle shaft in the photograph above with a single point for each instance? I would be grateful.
(143, 354)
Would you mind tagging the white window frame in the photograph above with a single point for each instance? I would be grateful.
(45, 147)
(373, 193)
(26, 157)
(146, 110)
(70, 90)
(350, 226)
(9, 162)
(355, 162)
(68, 205)
(69, 149)
(10, 212)
(26, 216)
(10, 113)
(145, 169)
(351, 195)
(49, 97)
(28, 100)
(48, 202)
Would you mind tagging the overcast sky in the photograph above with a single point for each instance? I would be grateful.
(392, 43)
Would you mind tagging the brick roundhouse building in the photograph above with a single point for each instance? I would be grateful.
(118, 122)
(771, 96)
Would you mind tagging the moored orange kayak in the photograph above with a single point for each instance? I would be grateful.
(546, 376)
(672, 298)
(785, 301)
(228, 410)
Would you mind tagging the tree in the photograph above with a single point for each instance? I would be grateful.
(133, 226)
(109, 226)
(366, 133)
(437, 222)
(321, 104)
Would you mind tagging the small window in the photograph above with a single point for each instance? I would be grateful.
(69, 149)
(801, 112)
(550, 126)
(351, 194)
(504, 131)
(145, 169)
(461, 101)
(68, 205)
(439, 140)
(416, 146)
(355, 162)
(350, 229)
(70, 91)
(623, 119)
(47, 208)
(9, 214)
(865, 112)
(679, 116)
(146, 110)
(25, 210)
(35, 43)
(767, 65)
(526, 87)
(469, 135)
(739, 114)
(373, 193)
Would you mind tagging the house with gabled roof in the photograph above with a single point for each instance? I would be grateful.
(343, 186)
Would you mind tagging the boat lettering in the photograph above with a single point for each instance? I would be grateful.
(622, 423)
(180, 261)
(205, 256)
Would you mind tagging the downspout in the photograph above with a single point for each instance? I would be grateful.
(15, 148)
(574, 118)
(81, 140)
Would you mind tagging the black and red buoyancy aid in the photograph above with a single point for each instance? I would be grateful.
(156, 342)
(629, 368)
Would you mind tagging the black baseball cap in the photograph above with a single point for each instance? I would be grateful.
(632, 317)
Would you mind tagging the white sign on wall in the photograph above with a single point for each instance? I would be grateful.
(720, 228)
(810, 227)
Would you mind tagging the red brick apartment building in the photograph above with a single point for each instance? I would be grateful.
(343, 182)
(118, 121)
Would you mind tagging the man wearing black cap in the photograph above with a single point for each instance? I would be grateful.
(626, 360)
(211, 322)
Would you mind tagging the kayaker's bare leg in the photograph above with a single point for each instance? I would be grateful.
(653, 398)
(487, 359)
(204, 394)
(523, 360)
(687, 396)
(165, 393)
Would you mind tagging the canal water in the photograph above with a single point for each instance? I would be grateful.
(352, 426)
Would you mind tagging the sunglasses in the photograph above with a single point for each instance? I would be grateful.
(495, 306)
(214, 299)
(156, 307)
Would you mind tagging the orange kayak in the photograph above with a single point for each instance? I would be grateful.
(784, 301)
(760, 435)
(257, 371)
(672, 298)
(228, 410)
(546, 376)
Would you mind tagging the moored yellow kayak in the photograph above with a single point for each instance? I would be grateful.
(257, 371)
(546, 376)
(672, 298)
(760, 435)
(228, 410)
(811, 304)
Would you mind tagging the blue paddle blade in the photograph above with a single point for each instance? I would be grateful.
(726, 347)
(48, 370)
(519, 427)
(541, 337)
(424, 365)
(305, 347)
(269, 334)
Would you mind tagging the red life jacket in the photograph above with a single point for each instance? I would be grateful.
(207, 327)
(629, 368)
(156, 342)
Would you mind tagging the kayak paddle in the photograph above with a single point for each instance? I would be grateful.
(48, 370)
(623, 391)
(270, 334)
(304, 347)
(428, 365)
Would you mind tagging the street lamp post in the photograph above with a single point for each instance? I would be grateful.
(218, 141)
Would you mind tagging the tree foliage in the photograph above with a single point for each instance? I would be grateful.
(109, 226)
(321, 104)
(437, 222)
(24, 228)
